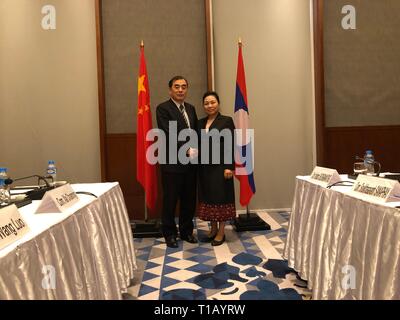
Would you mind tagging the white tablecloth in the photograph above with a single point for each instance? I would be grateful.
(346, 248)
(84, 253)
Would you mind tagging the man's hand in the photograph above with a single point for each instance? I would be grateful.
(192, 153)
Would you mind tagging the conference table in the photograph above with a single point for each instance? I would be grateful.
(86, 252)
(345, 247)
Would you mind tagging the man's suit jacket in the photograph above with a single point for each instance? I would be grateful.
(166, 112)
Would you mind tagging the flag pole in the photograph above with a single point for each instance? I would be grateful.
(145, 208)
(250, 221)
(147, 228)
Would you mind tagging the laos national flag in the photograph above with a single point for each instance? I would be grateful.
(244, 137)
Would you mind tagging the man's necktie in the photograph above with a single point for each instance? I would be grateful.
(182, 109)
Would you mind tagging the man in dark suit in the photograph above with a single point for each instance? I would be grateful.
(178, 178)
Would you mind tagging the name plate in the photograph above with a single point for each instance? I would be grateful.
(374, 188)
(12, 226)
(325, 176)
(58, 199)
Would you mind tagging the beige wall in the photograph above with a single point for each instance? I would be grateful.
(48, 90)
(170, 49)
(278, 66)
(361, 66)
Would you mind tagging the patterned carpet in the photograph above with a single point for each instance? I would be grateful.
(248, 266)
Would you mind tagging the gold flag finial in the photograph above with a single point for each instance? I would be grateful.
(141, 44)
(240, 42)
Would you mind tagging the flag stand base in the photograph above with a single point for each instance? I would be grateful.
(250, 221)
(146, 229)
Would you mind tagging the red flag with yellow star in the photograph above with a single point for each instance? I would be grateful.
(145, 172)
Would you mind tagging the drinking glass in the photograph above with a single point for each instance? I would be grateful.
(359, 168)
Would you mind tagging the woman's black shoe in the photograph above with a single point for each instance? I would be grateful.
(218, 242)
(207, 238)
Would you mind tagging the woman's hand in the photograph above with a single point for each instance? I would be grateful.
(228, 174)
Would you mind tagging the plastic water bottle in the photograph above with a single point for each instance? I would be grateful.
(4, 192)
(369, 161)
(52, 171)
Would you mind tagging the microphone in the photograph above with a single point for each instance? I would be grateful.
(43, 178)
(339, 183)
(36, 193)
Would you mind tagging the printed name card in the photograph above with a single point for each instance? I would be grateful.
(374, 188)
(58, 199)
(12, 226)
(325, 176)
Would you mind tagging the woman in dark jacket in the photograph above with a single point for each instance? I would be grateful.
(216, 190)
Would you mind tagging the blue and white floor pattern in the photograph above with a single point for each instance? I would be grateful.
(247, 266)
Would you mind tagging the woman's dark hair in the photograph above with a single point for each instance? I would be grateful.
(211, 93)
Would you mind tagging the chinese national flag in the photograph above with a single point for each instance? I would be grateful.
(145, 172)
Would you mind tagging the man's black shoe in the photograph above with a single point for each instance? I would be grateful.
(171, 242)
(190, 238)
